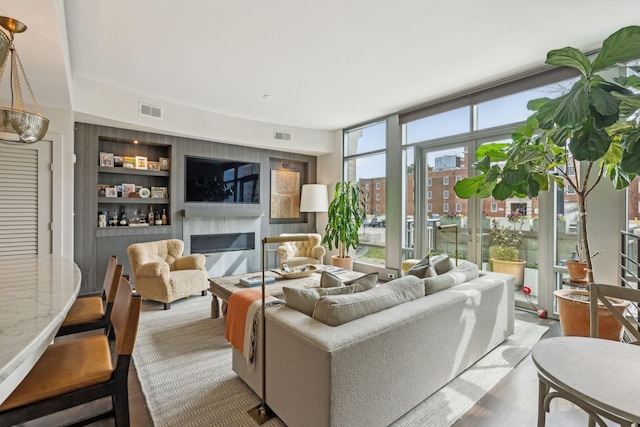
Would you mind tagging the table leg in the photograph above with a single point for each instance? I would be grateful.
(225, 306)
(215, 307)
(543, 389)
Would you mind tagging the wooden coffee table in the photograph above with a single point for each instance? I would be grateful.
(223, 287)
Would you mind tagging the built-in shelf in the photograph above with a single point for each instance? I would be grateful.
(133, 200)
(127, 171)
(245, 212)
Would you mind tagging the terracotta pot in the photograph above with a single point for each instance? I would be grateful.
(573, 308)
(346, 262)
(514, 268)
(577, 271)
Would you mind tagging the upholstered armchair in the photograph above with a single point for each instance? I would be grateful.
(299, 253)
(161, 273)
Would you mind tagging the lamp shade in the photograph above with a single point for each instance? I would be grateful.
(314, 198)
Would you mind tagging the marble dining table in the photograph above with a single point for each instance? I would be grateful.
(36, 292)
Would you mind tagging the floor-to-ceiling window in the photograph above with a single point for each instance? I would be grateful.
(364, 164)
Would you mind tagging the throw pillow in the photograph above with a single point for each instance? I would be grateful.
(420, 269)
(364, 283)
(302, 300)
(335, 310)
(328, 280)
(442, 263)
(462, 273)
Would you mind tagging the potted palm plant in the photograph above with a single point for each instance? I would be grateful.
(346, 214)
(596, 122)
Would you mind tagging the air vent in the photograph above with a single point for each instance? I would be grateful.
(281, 136)
(150, 111)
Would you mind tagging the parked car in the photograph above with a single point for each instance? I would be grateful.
(366, 222)
(379, 221)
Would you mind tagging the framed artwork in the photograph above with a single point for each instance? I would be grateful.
(141, 162)
(164, 164)
(102, 189)
(111, 192)
(129, 163)
(106, 160)
(153, 166)
(285, 194)
(117, 161)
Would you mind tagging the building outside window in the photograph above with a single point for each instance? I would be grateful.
(445, 207)
(445, 194)
(445, 180)
(428, 182)
(429, 195)
(494, 207)
(458, 207)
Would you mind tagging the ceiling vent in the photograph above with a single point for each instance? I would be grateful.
(149, 111)
(282, 136)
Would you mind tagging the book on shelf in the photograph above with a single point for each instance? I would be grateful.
(256, 281)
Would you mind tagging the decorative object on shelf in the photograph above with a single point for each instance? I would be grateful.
(159, 192)
(106, 160)
(141, 162)
(117, 161)
(26, 127)
(164, 217)
(153, 166)
(150, 216)
(123, 218)
(262, 413)
(145, 193)
(164, 163)
(102, 190)
(346, 215)
(128, 189)
(314, 199)
(111, 192)
(102, 220)
(158, 219)
(129, 162)
(113, 221)
(285, 194)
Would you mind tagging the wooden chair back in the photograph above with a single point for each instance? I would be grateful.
(125, 316)
(599, 293)
(111, 279)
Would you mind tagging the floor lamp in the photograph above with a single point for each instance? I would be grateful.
(442, 227)
(262, 412)
(314, 199)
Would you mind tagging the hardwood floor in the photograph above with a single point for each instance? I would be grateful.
(512, 402)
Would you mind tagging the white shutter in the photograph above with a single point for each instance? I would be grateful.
(18, 201)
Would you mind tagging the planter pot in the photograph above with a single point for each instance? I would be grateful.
(577, 271)
(514, 268)
(573, 308)
(346, 262)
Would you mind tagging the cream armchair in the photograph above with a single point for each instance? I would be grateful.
(161, 273)
(299, 253)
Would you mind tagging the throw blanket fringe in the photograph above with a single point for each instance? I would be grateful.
(269, 302)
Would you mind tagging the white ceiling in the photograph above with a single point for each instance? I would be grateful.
(317, 64)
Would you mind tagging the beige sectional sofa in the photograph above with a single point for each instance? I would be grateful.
(371, 370)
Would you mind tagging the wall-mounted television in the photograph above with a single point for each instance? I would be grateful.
(221, 180)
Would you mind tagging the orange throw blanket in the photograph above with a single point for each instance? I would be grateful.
(239, 304)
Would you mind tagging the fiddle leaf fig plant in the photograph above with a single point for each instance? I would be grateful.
(596, 122)
(346, 215)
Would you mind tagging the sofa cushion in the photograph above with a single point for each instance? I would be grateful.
(420, 269)
(442, 263)
(328, 280)
(335, 310)
(304, 300)
(460, 274)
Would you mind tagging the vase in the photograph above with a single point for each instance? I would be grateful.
(514, 268)
(573, 309)
(346, 262)
(577, 271)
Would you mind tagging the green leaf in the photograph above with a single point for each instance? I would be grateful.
(600, 121)
(618, 177)
(533, 187)
(621, 46)
(482, 165)
(589, 143)
(514, 176)
(548, 110)
(495, 151)
(569, 57)
(542, 180)
(536, 104)
(630, 139)
(614, 154)
(629, 81)
(502, 191)
(559, 136)
(468, 187)
(604, 103)
(573, 109)
(486, 189)
(630, 162)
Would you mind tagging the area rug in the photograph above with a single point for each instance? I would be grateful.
(184, 365)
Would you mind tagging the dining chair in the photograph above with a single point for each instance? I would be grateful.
(89, 313)
(598, 294)
(81, 370)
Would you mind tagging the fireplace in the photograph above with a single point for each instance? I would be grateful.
(225, 242)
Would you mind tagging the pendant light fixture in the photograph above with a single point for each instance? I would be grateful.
(16, 124)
